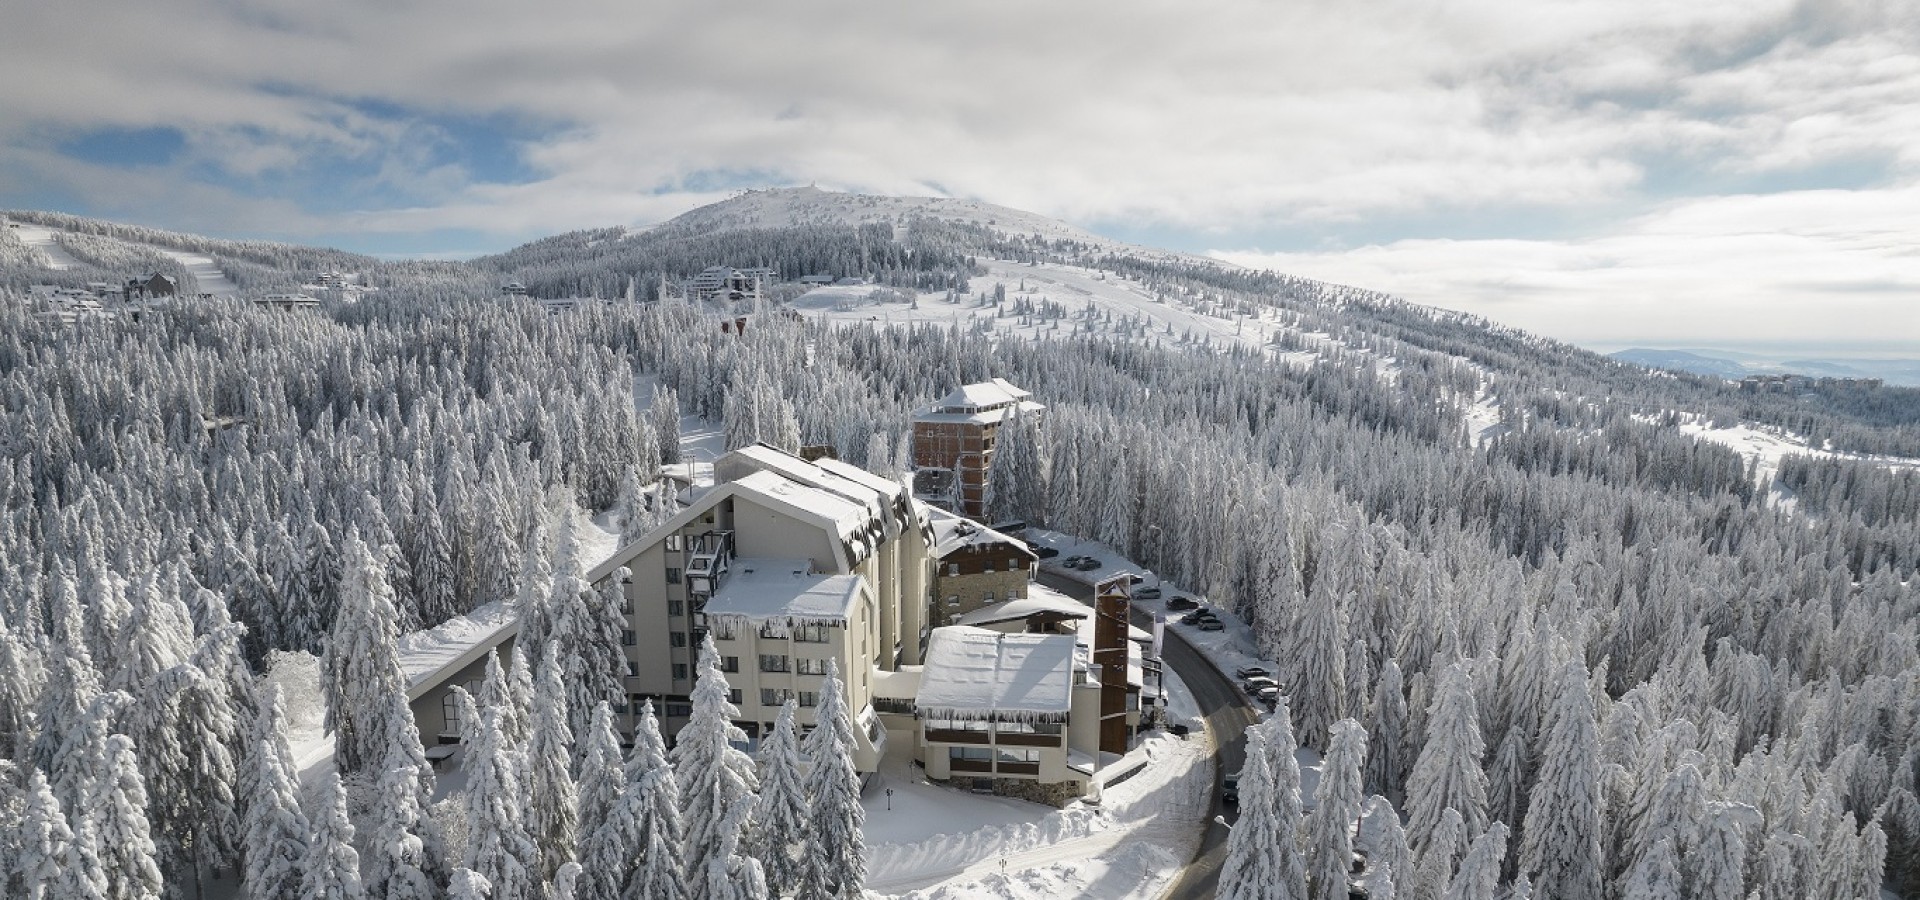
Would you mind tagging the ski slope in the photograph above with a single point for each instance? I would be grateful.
(41, 239)
(208, 276)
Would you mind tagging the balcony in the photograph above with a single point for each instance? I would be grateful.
(956, 736)
(972, 765)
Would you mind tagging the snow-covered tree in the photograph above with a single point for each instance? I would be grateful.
(1560, 842)
(1336, 807)
(363, 671)
(1479, 873)
(1317, 678)
(1656, 876)
(498, 847)
(717, 773)
(601, 780)
(1387, 756)
(119, 808)
(403, 854)
(1717, 865)
(552, 812)
(44, 842)
(331, 869)
(1264, 859)
(276, 830)
(469, 885)
(836, 857)
(781, 837)
(1448, 774)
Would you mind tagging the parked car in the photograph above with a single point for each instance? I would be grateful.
(1146, 593)
(1212, 625)
(1269, 695)
(1255, 683)
(1087, 564)
(1045, 552)
(1193, 618)
(1230, 789)
(1135, 579)
(1252, 672)
(1178, 603)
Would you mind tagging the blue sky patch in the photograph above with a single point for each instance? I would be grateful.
(125, 147)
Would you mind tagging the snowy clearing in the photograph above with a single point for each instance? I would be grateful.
(41, 239)
(205, 274)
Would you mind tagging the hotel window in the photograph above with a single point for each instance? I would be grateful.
(626, 604)
(730, 664)
(626, 637)
(809, 699)
(1010, 755)
(723, 629)
(953, 568)
(772, 696)
(633, 669)
(674, 542)
(733, 696)
(773, 662)
(678, 639)
(678, 710)
(806, 665)
(676, 608)
(980, 754)
(991, 565)
(773, 629)
(811, 634)
(679, 671)
(988, 597)
(673, 575)
(953, 601)
(450, 711)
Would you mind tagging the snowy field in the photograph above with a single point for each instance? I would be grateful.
(208, 276)
(1075, 288)
(1765, 447)
(41, 239)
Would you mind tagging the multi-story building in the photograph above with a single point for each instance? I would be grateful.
(781, 560)
(953, 442)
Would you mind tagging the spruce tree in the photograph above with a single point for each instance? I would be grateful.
(277, 830)
(717, 773)
(601, 780)
(331, 868)
(1264, 861)
(552, 813)
(1387, 756)
(1479, 873)
(1317, 679)
(837, 858)
(44, 841)
(1336, 807)
(782, 837)
(498, 847)
(363, 671)
(403, 855)
(1448, 774)
(1560, 843)
(119, 804)
(1656, 876)
(469, 885)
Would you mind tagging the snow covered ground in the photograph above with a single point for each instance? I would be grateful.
(41, 239)
(208, 276)
(1767, 446)
(944, 842)
(1169, 320)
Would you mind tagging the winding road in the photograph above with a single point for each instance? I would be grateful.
(1227, 716)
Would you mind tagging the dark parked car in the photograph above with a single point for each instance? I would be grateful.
(1211, 625)
(1045, 552)
(1135, 579)
(1230, 789)
(1202, 614)
(1252, 672)
(1258, 682)
(1179, 603)
(1086, 564)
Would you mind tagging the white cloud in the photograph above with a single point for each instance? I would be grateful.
(1816, 268)
(1241, 116)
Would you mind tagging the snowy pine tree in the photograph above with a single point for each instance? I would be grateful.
(1387, 757)
(331, 868)
(782, 835)
(601, 780)
(276, 830)
(119, 804)
(1479, 873)
(362, 665)
(1264, 861)
(717, 773)
(1336, 807)
(403, 853)
(837, 853)
(498, 847)
(552, 813)
(1560, 843)
(1448, 774)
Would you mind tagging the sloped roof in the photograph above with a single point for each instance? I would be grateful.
(973, 673)
(952, 532)
(980, 395)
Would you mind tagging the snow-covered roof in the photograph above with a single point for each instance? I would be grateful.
(900, 684)
(952, 532)
(432, 656)
(983, 395)
(785, 591)
(973, 673)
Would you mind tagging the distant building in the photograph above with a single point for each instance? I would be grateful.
(728, 283)
(514, 289)
(155, 285)
(953, 442)
(286, 301)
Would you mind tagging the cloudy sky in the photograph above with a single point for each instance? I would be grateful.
(1718, 172)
